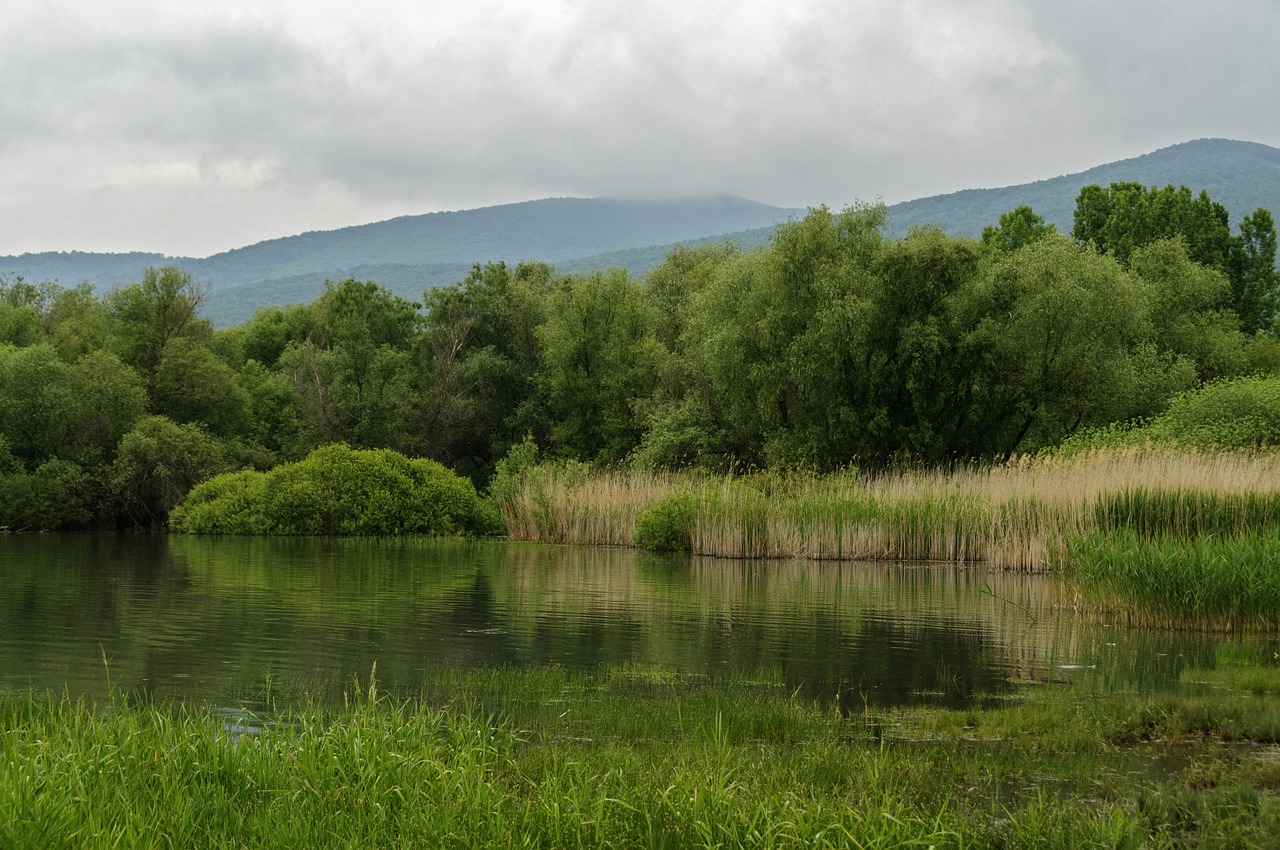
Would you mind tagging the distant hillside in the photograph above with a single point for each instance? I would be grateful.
(236, 304)
(412, 253)
(553, 229)
(1241, 176)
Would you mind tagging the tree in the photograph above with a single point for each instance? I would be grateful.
(1018, 227)
(1048, 346)
(601, 355)
(147, 315)
(1255, 284)
(1127, 216)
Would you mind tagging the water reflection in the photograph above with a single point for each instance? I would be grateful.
(200, 618)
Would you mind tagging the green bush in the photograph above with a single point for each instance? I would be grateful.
(668, 525)
(337, 490)
(1231, 414)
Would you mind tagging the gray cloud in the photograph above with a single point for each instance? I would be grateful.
(138, 125)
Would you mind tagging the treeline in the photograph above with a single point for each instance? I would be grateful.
(836, 344)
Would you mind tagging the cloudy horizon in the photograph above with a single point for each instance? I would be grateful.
(140, 125)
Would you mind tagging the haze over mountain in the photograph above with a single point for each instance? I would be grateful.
(410, 253)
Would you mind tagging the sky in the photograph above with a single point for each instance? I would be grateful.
(191, 128)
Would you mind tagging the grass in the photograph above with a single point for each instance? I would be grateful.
(1014, 516)
(641, 757)
(1207, 582)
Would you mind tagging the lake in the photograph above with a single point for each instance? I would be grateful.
(231, 620)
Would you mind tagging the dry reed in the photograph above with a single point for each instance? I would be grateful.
(1017, 515)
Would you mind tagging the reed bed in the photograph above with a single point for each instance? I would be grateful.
(1015, 516)
(1215, 583)
(631, 758)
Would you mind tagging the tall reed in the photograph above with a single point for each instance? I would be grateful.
(1017, 515)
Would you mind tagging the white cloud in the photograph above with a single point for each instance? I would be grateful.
(195, 128)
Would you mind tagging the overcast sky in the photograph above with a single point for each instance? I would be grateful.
(191, 128)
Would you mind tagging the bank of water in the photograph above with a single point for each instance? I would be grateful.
(313, 693)
(227, 621)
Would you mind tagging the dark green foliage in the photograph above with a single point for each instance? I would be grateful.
(1018, 227)
(668, 525)
(337, 490)
(1125, 217)
(158, 463)
(57, 495)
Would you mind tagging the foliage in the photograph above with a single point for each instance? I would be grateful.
(1237, 413)
(337, 490)
(158, 463)
(668, 525)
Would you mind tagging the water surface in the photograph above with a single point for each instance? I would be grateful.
(220, 619)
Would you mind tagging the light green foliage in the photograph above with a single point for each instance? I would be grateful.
(271, 330)
(1185, 303)
(1235, 413)
(1238, 413)
(337, 490)
(668, 525)
(601, 355)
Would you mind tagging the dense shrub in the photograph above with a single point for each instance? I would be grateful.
(337, 490)
(1232, 414)
(668, 524)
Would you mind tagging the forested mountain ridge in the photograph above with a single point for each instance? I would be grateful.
(551, 230)
(1241, 176)
(412, 253)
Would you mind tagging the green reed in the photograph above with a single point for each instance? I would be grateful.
(632, 757)
(1204, 582)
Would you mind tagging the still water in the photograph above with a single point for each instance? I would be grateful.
(216, 620)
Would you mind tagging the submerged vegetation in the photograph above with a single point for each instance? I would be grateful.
(638, 757)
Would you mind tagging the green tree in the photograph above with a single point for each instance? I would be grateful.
(157, 464)
(192, 385)
(601, 356)
(1051, 332)
(1255, 284)
(147, 315)
(1018, 227)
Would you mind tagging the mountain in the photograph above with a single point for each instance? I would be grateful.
(412, 253)
(1241, 176)
(552, 229)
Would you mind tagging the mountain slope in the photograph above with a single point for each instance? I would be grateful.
(1241, 176)
(552, 229)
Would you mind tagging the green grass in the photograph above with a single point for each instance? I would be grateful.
(640, 757)
(1220, 583)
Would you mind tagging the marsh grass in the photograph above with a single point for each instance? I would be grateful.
(631, 757)
(1016, 516)
(1220, 583)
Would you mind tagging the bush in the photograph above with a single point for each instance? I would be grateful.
(668, 525)
(337, 490)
